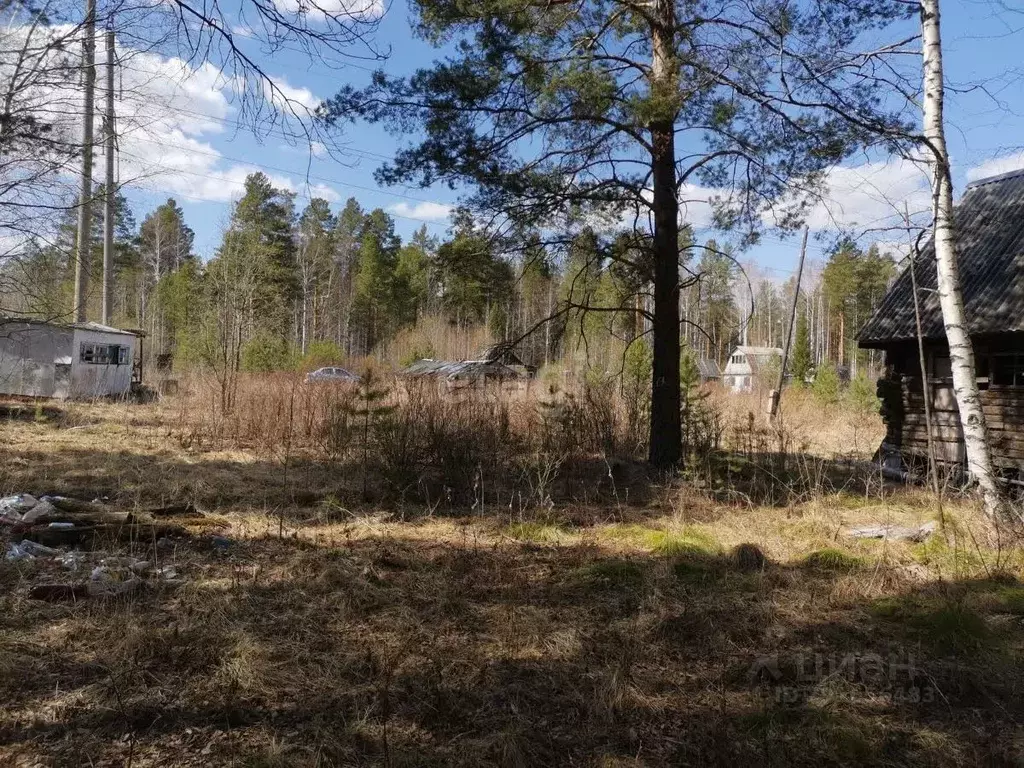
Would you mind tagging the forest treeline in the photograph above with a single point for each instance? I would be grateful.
(293, 288)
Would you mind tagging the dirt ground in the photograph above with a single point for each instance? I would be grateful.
(304, 629)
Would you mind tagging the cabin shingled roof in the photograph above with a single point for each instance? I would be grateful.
(989, 221)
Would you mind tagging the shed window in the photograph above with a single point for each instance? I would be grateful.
(103, 354)
(1007, 370)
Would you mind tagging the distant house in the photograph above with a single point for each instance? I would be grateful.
(745, 364)
(990, 255)
(80, 360)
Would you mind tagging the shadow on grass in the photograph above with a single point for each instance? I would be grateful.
(394, 651)
(311, 491)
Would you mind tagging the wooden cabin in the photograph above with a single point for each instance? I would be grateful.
(990, 254)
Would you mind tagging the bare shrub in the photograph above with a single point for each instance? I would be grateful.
(489, 444)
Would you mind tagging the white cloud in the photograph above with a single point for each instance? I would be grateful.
(870, 196)
(324, 191)
(996, 166)
(695, 205)
(424, 211)
(695, 209)
(287, 98)
(168, 110)
(342, 9)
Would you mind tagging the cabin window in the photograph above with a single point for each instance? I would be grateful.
(103, 354)
(942, 367)
(1007, 370)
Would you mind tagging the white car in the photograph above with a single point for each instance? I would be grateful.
(330, 376)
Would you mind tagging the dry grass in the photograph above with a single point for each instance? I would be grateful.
(568, 628)
(821, 429)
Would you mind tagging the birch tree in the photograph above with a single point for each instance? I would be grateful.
(961, 349)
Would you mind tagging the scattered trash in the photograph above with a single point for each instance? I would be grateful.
(28, 550)
(43, 508)
(167, 572)
(72, 560)
(113, 588)
(13, 508)
(19, 503)
(894, 532)
(50, 525)
(38, 550)
(15, 552)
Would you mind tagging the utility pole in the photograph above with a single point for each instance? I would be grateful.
(777, 392)
(85, 197)
(111, 192)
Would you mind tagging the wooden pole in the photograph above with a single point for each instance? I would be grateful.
(925, 389)
(83, 240)
(111, 192)
(777, 392)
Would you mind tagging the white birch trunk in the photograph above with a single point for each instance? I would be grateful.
(961, 350)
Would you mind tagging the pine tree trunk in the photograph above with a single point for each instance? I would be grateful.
(961, 349)
(666, 432)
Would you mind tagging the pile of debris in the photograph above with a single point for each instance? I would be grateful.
(69, 540)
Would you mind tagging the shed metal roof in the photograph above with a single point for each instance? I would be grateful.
(464, 369)
(989, 222)
(88, 326)
(708, 369)
(100, 328)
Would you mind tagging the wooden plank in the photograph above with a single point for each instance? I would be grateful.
(945, 434)
(1000, 445)
(945, 401)
(1013, 397)
(941, 418)
(916, 403)
(919, 451)
(1009, 413)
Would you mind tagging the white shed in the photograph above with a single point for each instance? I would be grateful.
(83, 360)
(745, 363)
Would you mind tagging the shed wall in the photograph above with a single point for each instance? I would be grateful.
(35, 360)
(101, 380)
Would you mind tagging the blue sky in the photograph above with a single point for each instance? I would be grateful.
(196, 147)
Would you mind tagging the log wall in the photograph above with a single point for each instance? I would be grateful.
(1004, 415)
